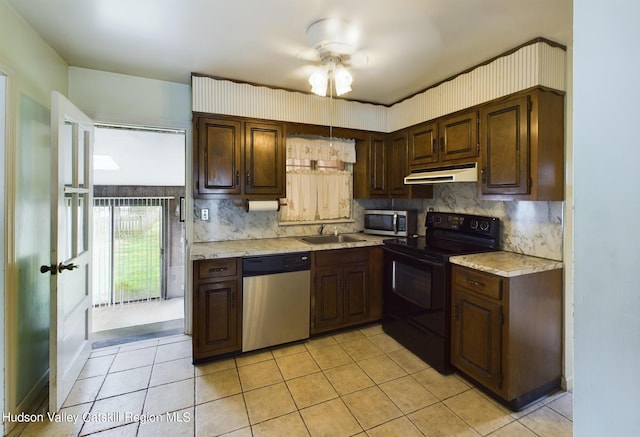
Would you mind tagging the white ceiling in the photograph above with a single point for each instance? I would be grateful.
(129, 147)
(410, 44)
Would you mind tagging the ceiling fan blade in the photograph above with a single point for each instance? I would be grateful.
(309, 55)
(358, 60)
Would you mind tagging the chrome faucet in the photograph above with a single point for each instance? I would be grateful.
(320, 229)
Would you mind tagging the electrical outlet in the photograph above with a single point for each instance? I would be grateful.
(204, 214)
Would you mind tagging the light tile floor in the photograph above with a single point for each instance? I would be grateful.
(359, 382)
(137, 313)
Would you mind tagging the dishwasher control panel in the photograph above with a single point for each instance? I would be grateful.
(271, 264)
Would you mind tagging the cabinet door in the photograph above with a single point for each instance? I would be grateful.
(476, 336)
(423, 144)
(218, 155)
(216, 319)
(377, 166)
(356, 293)
(504, 128)
(329, 299)
(264, 159)
(459, 136)
(398, 165)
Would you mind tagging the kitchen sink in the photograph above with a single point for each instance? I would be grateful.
(328, 239)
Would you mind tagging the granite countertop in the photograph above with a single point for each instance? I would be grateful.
(506, 264)
(272, 246)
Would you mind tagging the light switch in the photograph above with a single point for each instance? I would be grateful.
(204, 214)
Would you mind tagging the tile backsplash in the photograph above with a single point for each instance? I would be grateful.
(532, 228)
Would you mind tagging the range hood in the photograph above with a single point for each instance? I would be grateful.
(440, 175)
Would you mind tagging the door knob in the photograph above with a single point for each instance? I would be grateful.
(52, 268)
(69, 266)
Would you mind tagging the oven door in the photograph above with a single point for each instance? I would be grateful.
(416, 292)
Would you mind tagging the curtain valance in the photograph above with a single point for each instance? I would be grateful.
(321, 149)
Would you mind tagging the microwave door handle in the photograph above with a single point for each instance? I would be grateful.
(395, 222)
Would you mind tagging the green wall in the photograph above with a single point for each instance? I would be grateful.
(38, 70)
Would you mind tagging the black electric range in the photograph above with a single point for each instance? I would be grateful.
(417, 281)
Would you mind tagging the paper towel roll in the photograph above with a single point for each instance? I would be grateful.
(263, 205)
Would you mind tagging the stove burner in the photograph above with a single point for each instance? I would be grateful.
(451, 234)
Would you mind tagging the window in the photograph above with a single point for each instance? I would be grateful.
(319, 179)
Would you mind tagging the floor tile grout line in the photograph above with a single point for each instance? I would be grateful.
(462, 418)
(441, 401)
(551, 401)
(146, 394)
(95, 398)
(324, 371)
(376, 385)
(526, 427)
(358, 362)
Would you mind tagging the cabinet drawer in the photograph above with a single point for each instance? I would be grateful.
(479, 282)
(217, 268)
(338, 257)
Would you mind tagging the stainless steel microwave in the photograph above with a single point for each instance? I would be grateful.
(390, 222)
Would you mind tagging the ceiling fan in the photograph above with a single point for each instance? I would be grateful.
(335, 43)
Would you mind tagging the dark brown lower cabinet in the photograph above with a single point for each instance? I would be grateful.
(506, 333)
(217, 308)
(346, 288)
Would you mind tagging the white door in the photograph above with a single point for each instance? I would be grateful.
(71, 215)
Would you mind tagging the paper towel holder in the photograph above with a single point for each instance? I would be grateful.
(245, 204)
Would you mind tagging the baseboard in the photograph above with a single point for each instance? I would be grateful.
(567, 383)
(33, 400)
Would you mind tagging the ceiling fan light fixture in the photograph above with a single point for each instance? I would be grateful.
(342, 79)
(332, 35)
(330, 72)
(334, 41)
(318, 80)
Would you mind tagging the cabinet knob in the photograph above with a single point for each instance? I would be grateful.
(237, 177)
(483, 175)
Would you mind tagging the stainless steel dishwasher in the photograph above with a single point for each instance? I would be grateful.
(275, 299)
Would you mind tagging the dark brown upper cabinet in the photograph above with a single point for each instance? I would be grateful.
(522, 141)
(398, 164)
(238, 158)
(450, 140)
(382, 164)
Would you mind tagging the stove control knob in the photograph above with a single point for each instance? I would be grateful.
(474, 224)
(484, 226)
(437, 220)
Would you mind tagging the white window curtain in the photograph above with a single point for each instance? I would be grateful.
(318, 194)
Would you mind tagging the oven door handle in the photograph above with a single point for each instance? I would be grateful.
(400, 256)
(395, 222)
(393, 275)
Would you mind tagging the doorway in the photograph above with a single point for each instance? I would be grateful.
(138, 233)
